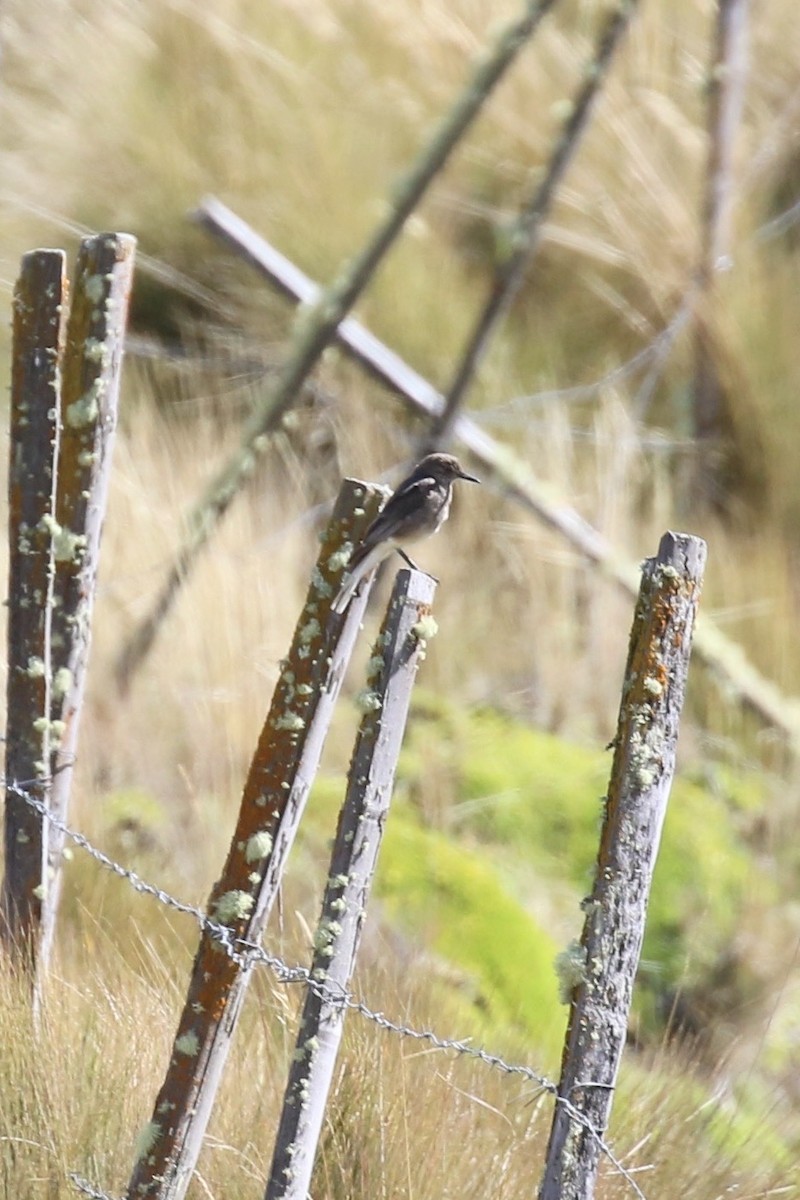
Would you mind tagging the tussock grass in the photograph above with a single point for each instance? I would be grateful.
(300, 115)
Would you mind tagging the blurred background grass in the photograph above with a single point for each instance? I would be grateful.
(301, 116)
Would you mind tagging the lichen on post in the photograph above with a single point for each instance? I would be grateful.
(399, 649)
(91, 369)
(274, 795)
(599, 972)
(39, 303)
(38, 307)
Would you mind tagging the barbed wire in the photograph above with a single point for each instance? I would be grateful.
(247, 954)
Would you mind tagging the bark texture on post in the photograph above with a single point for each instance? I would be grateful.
(273, 799)
(641, 775)
(39, 304)
(90, 392)
(393, 665)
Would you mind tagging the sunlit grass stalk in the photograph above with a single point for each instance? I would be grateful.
(316, 326)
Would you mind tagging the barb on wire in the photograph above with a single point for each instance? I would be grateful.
(247, 954)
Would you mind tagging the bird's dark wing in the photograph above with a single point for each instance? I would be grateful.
(405, 513)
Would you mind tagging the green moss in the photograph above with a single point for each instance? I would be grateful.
(454, 902)
(457, 902)
(541, 798)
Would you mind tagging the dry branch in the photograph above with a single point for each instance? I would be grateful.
(725, 659)
(355, 854)
(89, 395)
(524, 237)
(273, 799)
(39, 305)
(604, 966)
(317, 326)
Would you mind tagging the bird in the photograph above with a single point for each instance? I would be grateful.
(417, 509)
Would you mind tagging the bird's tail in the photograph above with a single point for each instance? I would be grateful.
(360, 571)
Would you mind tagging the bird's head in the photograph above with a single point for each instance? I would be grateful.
(444, 467)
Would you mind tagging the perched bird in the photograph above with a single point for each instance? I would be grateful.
(416, 510)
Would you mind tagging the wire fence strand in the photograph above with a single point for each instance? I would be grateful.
(249, 954)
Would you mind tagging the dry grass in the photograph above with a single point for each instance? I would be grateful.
(300, 116)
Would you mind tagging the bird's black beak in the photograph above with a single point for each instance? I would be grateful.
(469, 478)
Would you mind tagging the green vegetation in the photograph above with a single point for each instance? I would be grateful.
(301, 116)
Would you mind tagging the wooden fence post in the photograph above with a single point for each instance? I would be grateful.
(605, 963)
(274, 796)
(90, 391)
(39, 308)
(355, 854)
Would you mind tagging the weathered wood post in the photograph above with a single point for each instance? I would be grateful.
(385, 702)
(90, 392)
(38, 325)
(273, 800)
(604, 965)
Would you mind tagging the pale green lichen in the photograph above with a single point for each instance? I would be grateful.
(84, 410)
(96, 351)
(327, 932)
(62, 682)
(310, 630)
(258, 846)
(188, 1044)
(35, 668)
(368, 701)
(40, 892)
(146, 1140)
(94, 286)
(290, 721)
(340, 558)
(233, 906)
(66, 544)
(320, 583)
(425, 628)
(374, 667)
(570, 966)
